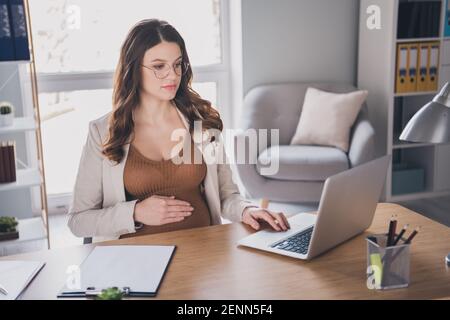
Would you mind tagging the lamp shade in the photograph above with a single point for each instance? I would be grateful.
(431, 124)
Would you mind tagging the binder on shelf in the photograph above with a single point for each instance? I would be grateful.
(8, 162)
(6, 36)
(19, 29)
(401, 84)
(2, 164)
(423, 63)
(5, 164)
(404, 17)
(412, 67)
(12, 160)
(433, 66)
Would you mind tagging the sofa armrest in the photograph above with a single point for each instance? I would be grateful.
(362, 144)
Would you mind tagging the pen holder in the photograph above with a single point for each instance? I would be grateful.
(387, 267)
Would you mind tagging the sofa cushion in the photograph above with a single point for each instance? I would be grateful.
(326, 118)
(302, 162)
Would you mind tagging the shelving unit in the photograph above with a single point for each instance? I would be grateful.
(20, 124)
(418, 39)
(390, 111)
(25, 178)
(14, 62)
(34, 228)
(413, 94)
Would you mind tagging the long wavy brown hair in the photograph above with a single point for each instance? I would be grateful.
(127, 85)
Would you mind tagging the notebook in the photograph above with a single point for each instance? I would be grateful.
(135, 270)
(16, 275)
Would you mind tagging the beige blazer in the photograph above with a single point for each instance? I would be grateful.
(99, 208)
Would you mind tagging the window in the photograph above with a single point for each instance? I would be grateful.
(77, 44)
(86, 35)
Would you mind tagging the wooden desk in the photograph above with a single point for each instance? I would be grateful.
(209, 265)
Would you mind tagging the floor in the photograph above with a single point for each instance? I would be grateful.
(437, 209)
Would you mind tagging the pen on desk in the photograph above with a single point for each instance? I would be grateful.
(391, 232)
(3, 290)
(413, 234)
(400, 235)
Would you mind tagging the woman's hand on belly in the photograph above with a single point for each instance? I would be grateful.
(158, 210)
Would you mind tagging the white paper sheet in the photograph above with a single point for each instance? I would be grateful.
(16, 275)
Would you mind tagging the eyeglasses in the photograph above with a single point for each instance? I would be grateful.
(162, 70)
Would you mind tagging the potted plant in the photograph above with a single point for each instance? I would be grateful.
(8, 228)
(112, 293)
(6, 114)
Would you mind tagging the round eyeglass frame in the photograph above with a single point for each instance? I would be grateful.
(184, 69)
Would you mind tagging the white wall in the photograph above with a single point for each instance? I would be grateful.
(299, 40)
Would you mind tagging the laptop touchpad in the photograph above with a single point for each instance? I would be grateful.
(303, 219)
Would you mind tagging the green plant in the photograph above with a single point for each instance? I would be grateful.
(5, 109)
(110, 294)
(8, 224)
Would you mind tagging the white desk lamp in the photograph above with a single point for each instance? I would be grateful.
(431, 124)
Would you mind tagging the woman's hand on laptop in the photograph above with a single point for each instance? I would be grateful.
(277, 220)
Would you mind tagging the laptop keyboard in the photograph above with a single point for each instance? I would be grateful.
(297, 243)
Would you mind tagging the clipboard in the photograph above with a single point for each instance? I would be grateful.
(137, 271)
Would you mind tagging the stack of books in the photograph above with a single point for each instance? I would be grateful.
(14, 42)
(7, 162)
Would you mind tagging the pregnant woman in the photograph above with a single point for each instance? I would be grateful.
(128, 181)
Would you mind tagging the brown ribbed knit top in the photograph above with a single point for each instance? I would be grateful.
(144, 177)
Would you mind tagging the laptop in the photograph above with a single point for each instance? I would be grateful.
(347, 206)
